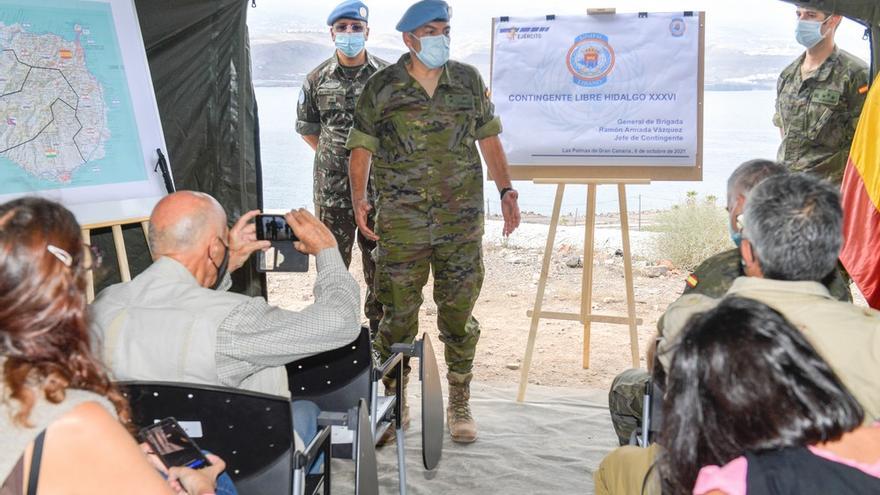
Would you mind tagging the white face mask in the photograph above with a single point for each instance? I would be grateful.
(435, 50)
(351, 44)
(809, 33)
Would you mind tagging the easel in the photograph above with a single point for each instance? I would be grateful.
(118, 242)
(585, 315)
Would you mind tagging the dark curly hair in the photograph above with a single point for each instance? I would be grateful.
(44, 332)
(743, 379)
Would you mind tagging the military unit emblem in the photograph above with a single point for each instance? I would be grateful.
(677, 27)
(590, 59)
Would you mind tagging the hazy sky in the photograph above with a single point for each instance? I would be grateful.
(763, 21)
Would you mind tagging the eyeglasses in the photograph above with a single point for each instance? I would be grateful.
(354, 27)
(93, 257)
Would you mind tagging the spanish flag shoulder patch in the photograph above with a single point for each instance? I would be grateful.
(692, 281)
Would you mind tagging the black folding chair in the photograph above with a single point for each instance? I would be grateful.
(652, 407)
(336, 380)
(252, 432)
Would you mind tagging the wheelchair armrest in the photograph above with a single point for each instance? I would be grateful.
(318, 444)
(416, 349)
(392, 364)
(385, 368)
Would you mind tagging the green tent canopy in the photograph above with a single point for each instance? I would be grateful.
(199, 57)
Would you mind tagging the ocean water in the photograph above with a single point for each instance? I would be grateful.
(738, 127)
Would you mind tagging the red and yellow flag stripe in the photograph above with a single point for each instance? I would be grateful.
(861, 202)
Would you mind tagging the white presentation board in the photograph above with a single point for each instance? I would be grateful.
(620, 92)
(78, 116)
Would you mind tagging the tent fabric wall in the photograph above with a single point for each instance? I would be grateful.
(199, 58)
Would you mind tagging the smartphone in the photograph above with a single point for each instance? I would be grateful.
(281, 256)
(173, 445)
(274, 228)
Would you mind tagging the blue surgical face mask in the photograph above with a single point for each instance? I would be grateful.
(809, 33)
(435, 51)
(351, 44)
(736, 235)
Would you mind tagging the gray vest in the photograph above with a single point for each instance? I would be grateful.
(162, 326)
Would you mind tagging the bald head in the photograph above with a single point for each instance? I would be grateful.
(184, 222)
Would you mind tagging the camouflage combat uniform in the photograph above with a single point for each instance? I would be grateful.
(326, 109)
(712, 278)
(429, 208)
(818, 115)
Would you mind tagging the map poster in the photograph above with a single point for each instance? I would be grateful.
(78, 116)
(619, 90)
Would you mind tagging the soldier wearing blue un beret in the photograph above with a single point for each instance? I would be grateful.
(423, 12)
(349, 9)
(324, 116)
(418, 124)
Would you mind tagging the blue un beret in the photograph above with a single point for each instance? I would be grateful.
(349, 9)
(423, 12)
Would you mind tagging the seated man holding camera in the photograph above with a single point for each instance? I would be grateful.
(168, 324)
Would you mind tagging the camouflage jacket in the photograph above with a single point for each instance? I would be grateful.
(818, 115)
(425, 165)
(326, 109)
(715, 276)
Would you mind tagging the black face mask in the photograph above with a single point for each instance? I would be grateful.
(221, 269)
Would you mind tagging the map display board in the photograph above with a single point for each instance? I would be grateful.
(78, 117)
(600, 96)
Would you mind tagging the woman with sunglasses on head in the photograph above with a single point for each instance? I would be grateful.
(61, 419)
(751, 408)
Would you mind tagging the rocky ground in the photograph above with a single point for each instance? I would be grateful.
(513, 267)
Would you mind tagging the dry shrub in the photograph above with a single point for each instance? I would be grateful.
(692, 232)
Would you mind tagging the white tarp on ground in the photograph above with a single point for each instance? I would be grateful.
(550, 444)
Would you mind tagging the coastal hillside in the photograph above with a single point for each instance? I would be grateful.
(285, 58)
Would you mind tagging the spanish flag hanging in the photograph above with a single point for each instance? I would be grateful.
(861, 202)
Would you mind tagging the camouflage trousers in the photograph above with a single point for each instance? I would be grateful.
(401, 273)
(626, 401)
(341, 223)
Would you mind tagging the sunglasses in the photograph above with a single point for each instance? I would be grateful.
(354, 27)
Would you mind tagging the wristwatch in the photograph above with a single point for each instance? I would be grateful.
(505, 191)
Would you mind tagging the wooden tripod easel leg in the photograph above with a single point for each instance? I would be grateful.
(121, 254)
(90, 277)
(146, 228)
(628, 275)
(539, 297)
(587, 280)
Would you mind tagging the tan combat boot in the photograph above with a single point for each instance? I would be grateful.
(390, 434)
(462, 427)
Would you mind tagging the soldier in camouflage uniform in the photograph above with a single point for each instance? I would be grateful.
(419, 122)
(819, 100)
(324, 116)
(712, 278)
(715, 276)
